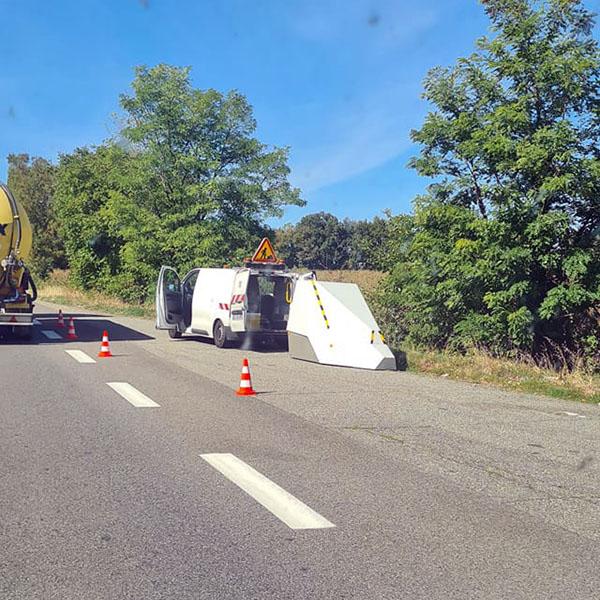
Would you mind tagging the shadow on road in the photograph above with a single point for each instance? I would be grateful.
(88, 328)
(264, 346)
(50, 318)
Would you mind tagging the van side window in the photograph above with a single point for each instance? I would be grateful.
(190, 283)
(266, 286)
(172, 283)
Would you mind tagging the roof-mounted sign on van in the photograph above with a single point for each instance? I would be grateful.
(265, 255)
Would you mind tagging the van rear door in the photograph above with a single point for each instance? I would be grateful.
(169, 299)
(239, 301)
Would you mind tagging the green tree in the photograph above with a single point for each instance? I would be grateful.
(321, 242)
(369, 242)
(199, 146)
(505, 251)
(185, 183)
(285, 244)
(113, 243)
(31, 180)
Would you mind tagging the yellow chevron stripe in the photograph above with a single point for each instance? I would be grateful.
(320, 303)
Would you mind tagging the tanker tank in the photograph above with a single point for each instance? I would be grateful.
(17, 289)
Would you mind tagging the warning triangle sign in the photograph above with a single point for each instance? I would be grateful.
(265, 253)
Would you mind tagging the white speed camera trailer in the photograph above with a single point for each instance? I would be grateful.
(324, 322)
(330, 323)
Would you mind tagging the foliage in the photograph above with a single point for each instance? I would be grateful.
(285, 244)
(57, 288)
(184, 184)
(504, 251)
(322, 241)
(199, 147)
(31, 180)
(366, 242)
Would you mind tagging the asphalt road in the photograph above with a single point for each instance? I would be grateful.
(408, 487)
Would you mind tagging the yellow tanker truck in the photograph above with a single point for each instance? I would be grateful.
(17, 289)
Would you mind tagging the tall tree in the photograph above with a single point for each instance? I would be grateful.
(321, 242)
(367, 242)
(200, 146)
(506, 245)
(185, 183)
(31, 180)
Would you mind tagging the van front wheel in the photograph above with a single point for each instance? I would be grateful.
(219, 334)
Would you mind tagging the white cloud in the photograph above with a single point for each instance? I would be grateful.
(364, 137)
(372, 127)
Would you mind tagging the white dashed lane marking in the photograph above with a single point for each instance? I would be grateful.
(572, 414)
(294, 513)
(133, 396)
(52, 335)
(80, 356)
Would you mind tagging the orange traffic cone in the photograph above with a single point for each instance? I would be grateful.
(61, 319)
(245, 388)
(71, 335)
(105, 346)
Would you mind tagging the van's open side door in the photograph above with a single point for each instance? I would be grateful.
(239, 301)
(169, 299)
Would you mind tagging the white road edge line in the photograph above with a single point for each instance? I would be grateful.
(294, 513)
(52, 335)
(133, 396)
(80, 356)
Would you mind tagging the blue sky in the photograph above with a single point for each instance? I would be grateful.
(338, 82)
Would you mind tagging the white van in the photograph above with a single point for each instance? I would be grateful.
(225, 304)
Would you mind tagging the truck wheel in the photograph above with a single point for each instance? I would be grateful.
(174, 334)
(219, 334)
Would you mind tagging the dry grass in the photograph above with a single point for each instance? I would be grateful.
(57, 289)
(519, 375)
(367, 281)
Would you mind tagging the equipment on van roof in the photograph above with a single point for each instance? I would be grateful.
(324, 322)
